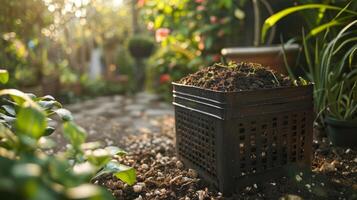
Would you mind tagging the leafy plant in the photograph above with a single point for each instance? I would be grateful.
(329, 53)
(141, 46)
(342, 101)
(336, 21)
(27, 171)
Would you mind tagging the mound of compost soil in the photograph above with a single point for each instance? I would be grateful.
(236, 77)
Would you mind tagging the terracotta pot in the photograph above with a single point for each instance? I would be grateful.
(271, 56)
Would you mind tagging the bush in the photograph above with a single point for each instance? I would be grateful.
(28, 172)
(141, 46)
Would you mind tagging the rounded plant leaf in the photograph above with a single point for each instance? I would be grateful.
(19, 97)
(90, 145)
(32, 122)
(8, 119)
(98, 157)
(4, 76)
(113, 150)
(26, 170)
(47, 98)
(46, 143)
(125, 173)
(47, 105)
(9, 109)
(74, 133)
(85, 168)
(65, 114)
(49, 130)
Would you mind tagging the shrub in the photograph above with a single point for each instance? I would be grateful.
(141, 46)
(28, 171)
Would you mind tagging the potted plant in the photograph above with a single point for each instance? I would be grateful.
(140, 47)
(274, 56)
(341, 116)
(332, 69)
(239, 124)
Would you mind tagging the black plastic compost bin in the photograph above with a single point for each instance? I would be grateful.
(237, 138)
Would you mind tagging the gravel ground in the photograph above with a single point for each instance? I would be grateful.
(144, 126)
(162, 176)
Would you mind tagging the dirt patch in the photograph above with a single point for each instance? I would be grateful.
(162, 176)
(236, 77)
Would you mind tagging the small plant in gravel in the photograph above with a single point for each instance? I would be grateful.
(28, 169)
(233, 77)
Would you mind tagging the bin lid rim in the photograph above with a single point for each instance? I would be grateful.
(310, 85)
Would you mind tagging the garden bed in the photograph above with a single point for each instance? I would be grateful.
(162, 176)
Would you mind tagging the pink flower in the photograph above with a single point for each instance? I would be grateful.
(161, 34)
(201, 8)
(141, 3)
(213, 19)
(164, 78)
(199, 1)
(150, 26)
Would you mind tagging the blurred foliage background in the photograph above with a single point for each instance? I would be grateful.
(47, 45)
(84, 48)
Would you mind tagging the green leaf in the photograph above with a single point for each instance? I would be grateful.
(323, 27)
(4, 76)
(98, 157)
(113, 150)
(45, 104)
(19, 97)
(49, 130)
(122, 172)
(7, 119)
(74, 133)
(47, 98)
(9, 109)
(26, 170)
(90, 145)
(64, 114)
(272, 20)
(32, 122)
(46, 143)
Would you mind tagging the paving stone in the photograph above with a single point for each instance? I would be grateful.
(134, 107)
(158, 112)
(109, 119)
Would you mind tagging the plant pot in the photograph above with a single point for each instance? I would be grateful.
(234, 139)
(341, 133)
(271, 56)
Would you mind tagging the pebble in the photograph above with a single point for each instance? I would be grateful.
(137, 188)
(139, 198)
(179, 164)
(298, 178)
(201, 194)
(192, 173)
(144, 166)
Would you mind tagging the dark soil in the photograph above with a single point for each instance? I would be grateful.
(162, 176)
(236, 77)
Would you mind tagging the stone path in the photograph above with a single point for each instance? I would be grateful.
(109, 119)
